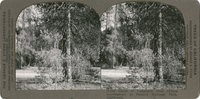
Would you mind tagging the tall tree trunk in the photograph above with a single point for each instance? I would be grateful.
(106, 20)
(115, 25)
(56, 75)
(160, 49)
(35, 36)
(68, 49)
(29, 40)
(23, 26)
(173, 51)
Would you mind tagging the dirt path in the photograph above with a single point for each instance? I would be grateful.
(114, 74)
(26, 73)
(111, 74)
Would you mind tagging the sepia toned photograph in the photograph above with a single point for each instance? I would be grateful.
(68, 46)
(143, 47)
(57, 45)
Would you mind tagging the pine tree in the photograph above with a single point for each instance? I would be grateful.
(79, 26)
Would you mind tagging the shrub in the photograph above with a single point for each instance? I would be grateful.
(80, 66)
(141, 69)
(54, 66)
(50, 65)
(18, 60)
(94, 72)
(172, 68)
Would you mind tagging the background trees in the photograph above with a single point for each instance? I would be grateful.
(79, 26)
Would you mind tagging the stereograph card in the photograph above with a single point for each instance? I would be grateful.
(102, 49)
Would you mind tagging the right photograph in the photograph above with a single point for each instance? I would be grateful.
(142, 47)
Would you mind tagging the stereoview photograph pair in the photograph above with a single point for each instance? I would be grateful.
(86, 49)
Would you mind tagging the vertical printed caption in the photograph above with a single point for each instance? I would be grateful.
(192, 48)
(7, 52)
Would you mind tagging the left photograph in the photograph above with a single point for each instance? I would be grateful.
(57, 45)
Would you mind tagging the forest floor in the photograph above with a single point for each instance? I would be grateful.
(110, 78)
(106, 74)
(114, 74)
(27, 73)
(26, 80)
(116, 79)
